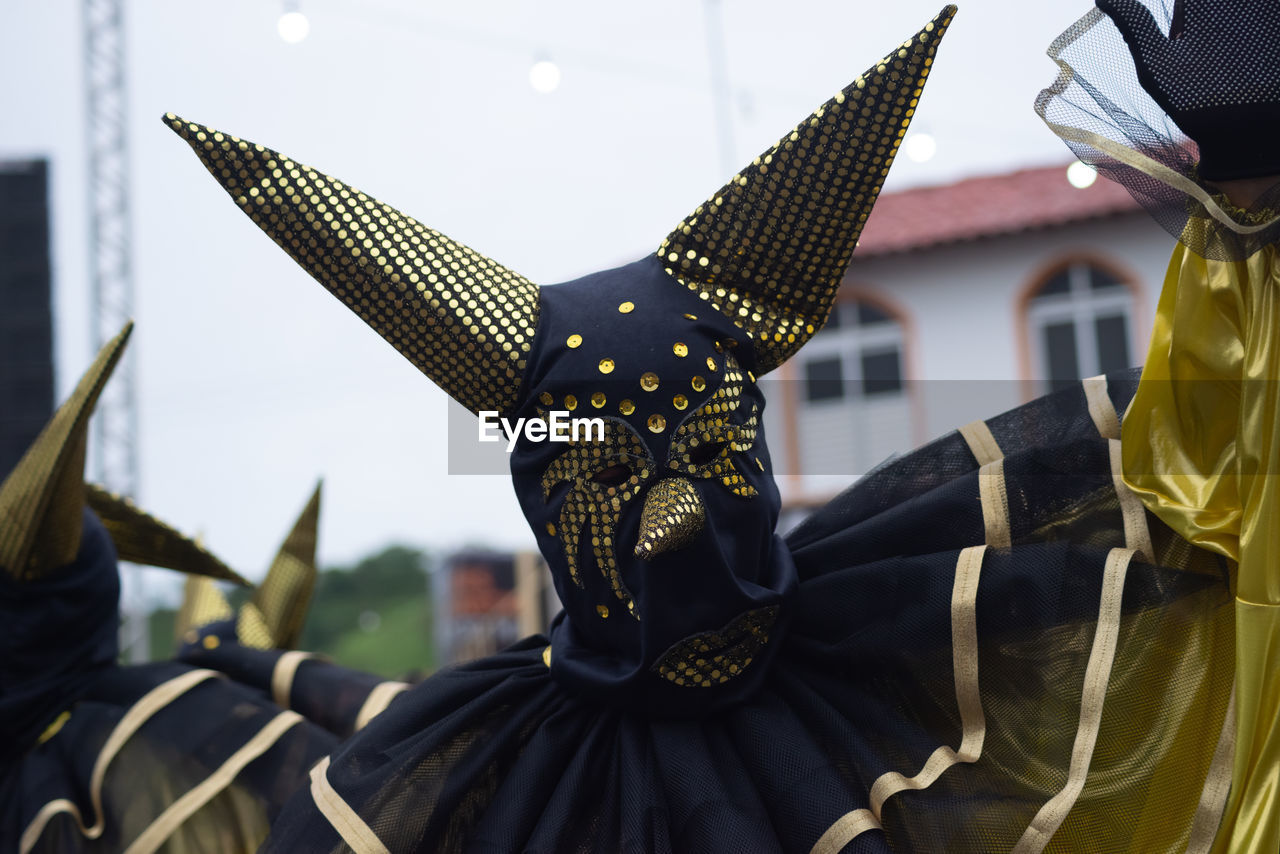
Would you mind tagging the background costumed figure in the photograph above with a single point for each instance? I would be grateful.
(257, 646)
(100, 757)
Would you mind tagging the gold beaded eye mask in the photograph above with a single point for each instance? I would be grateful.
(604, 476)
(713, 441)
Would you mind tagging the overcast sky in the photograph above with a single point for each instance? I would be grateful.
(253, 382)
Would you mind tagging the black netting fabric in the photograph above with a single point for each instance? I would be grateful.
(1215, 69)
(860, 738)
(181, 747)
(1213, 78)
(326, 694)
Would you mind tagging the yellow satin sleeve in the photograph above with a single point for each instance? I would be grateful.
(1201, 447)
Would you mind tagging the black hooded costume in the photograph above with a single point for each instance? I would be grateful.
(100, 757)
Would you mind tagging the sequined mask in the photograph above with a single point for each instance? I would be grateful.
(711, 443)
(674, 503)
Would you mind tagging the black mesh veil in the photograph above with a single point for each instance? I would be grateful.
(1098, 107)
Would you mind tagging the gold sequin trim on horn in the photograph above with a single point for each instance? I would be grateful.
(141, 538)
(768, 250)
(42, 498)
(202, 604)
(464, 320)
(284, 596)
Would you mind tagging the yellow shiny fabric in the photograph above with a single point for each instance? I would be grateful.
(1201, 446)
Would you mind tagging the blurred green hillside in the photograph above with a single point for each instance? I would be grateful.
(375, 616)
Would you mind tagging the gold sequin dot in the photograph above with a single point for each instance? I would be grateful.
(546, 655)
(210, 641)
(759, 464)
(603, 611)
(657, 423)
(574, 342)
(649, 381)
(606, 366)
(546, 398)
(570, 402)
(551, 529)
(626, 407)
(680, 401)
(680, 349)
(627, 307)
(699, 384)
(711, 363)
(691, 317)
(598, 399)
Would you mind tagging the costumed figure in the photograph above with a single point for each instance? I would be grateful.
(100, 757)
(1181, 104)
(984, 645)
(257, 646)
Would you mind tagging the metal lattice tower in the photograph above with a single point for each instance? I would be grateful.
(110, 236)
(115, 428)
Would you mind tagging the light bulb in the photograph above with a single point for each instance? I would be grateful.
(1081, 175)
(293, 27)
(920, 147)
(544, 76)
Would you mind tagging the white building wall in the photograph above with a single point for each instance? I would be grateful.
(967, 353)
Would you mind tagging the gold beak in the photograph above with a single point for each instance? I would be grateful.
(673, 515)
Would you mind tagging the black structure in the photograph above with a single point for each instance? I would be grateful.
(26, 317)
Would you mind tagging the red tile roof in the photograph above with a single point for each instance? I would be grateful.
(989, 206)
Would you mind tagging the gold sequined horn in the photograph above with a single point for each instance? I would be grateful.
(465, 321)
(42, 499)
(769, 249)
(251, 628)
(285, 594)
(202, 604)
(140, 537)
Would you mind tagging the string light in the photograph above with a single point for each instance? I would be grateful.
(544, 76)
(920, 147)
(293, 26)
(1081, 175)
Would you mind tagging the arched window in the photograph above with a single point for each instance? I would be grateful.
(853, 409)
(1078, 320)
(858, 354)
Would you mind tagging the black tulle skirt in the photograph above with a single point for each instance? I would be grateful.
(157, 757)
(994, 648)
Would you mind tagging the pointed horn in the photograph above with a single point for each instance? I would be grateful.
(251, 628)
(202, 604)
(463, 320)
(140, 537)
(42, 499)
(285, 594)
(769, 249)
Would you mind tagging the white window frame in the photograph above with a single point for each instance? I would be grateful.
(849, 342)
(1082, 306)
